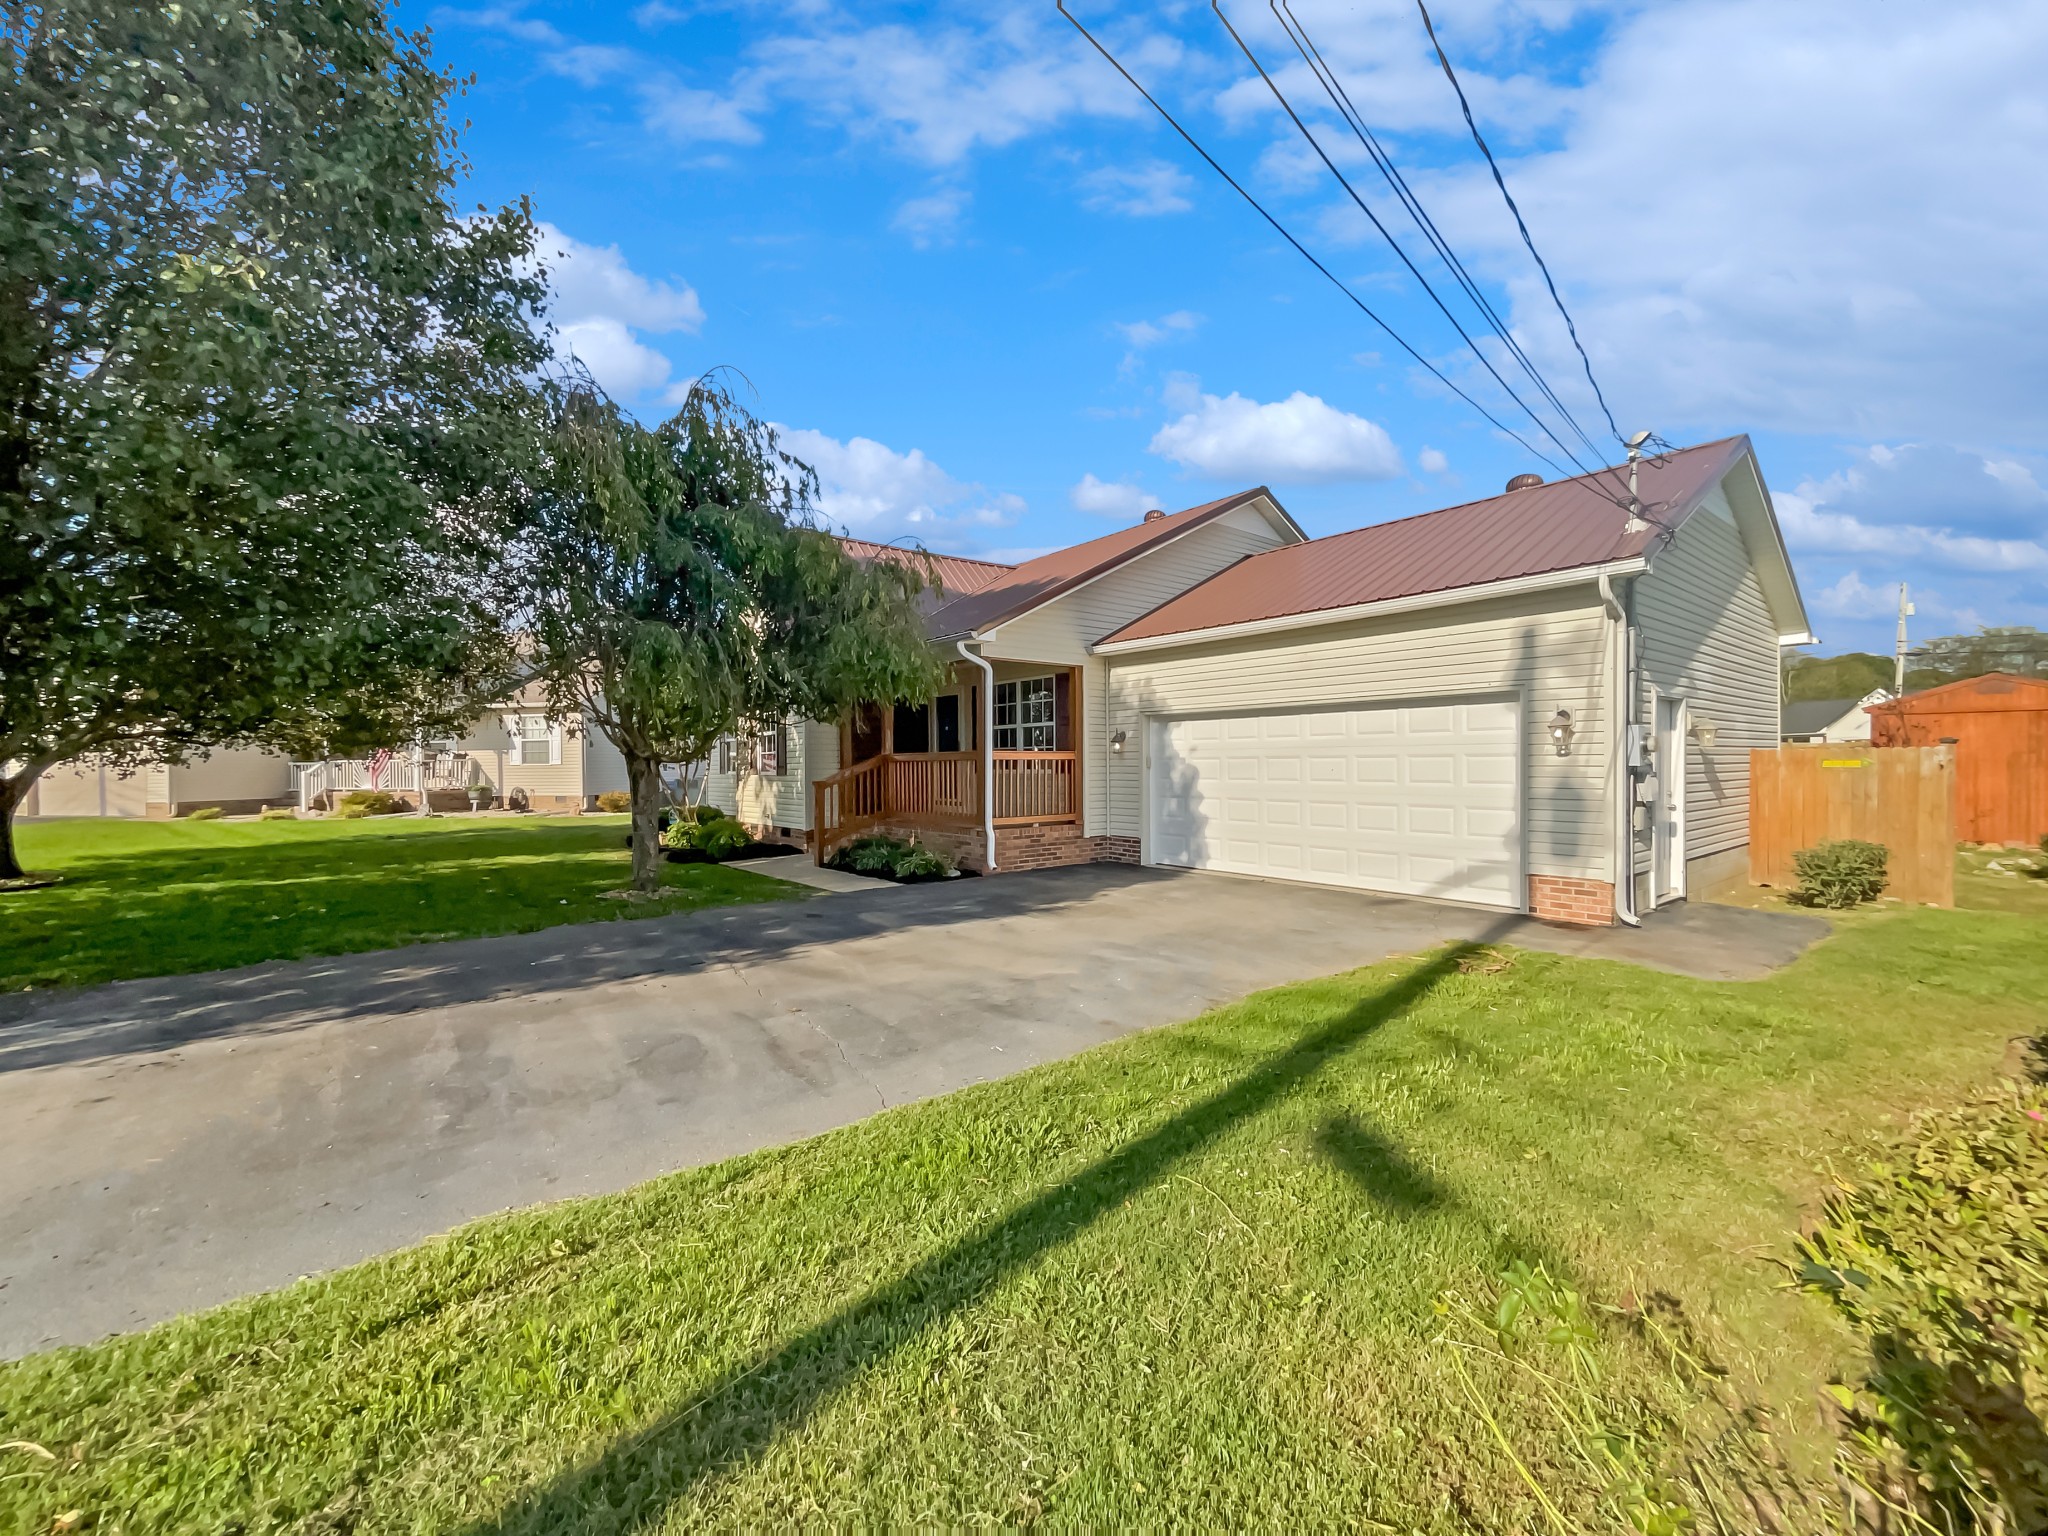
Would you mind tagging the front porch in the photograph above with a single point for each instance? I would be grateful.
(946, 769)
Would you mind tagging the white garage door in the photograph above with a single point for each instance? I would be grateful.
(1417, 799)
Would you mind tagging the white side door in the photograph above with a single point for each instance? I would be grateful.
(1667, 827)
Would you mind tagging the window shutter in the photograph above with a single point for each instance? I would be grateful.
(782, 748)
(1063, 712)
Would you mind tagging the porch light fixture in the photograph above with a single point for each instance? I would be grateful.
(1116, 742)
(1704, 731)
(1561, 731)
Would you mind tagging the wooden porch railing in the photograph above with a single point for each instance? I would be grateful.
(940, 789)
(1034, 786)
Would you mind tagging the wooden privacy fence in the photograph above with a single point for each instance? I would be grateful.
(1903, 797)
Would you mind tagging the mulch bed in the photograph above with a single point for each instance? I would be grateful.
(750, 851)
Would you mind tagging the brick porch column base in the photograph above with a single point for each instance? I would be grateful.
(1563, 899)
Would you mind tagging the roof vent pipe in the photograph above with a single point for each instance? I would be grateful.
(1155, 516)
(1525, 482)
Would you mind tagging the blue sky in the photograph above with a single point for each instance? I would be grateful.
(1000, 307)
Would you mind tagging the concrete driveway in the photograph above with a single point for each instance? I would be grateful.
(169, 1144)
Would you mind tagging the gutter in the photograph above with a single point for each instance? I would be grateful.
(988, 746)
(1444, 598)
(1625, 812)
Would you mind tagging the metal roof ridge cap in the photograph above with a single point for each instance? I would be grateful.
(1441, 597)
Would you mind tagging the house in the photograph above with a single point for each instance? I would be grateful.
(1999, 725)
(518, 755)
(1537, 702)
(1830, 719)
(238, 780)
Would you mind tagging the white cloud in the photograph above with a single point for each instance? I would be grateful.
(1109, 498)
(1139, 191)
(1846, 254)
(1920, 505)
(1299, 440)
(1149, 333)
(933, 219)
(601, 307)
(1431, 461)
(871, 490)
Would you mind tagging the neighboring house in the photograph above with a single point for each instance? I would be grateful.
(1532, 702)
(238, 780)
(1830, 719)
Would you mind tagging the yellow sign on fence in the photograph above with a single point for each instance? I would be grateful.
(1845, 762)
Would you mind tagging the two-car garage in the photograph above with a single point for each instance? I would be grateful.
(1418, 799)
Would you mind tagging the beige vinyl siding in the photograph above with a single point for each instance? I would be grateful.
(1708, 637)
(1549, 647)
(783, 800)
(89, 787)
(604, 765)
(1062, 631)
(490, 743)
(231, 773)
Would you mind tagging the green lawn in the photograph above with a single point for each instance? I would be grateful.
(1189, 1278)
(159, 898)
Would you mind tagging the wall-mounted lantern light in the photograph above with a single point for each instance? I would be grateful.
(1703, 731)
(1561, 731)
(1116, 742)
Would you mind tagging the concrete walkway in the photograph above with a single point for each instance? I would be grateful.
(169, 1144)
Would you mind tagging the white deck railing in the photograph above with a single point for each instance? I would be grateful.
(400, 774)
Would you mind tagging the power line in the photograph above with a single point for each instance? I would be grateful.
(1414, 271)
(1333, 87)
(1305, 253)
(1477, 138)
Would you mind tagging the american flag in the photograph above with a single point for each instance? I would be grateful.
(376, 763)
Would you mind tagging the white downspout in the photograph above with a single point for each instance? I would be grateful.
(1624, 828)
(988, 747)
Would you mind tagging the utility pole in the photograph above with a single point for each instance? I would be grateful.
(1899, 655)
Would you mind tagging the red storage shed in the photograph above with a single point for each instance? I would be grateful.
(1999, 724)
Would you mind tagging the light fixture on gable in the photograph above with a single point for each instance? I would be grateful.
(1116, 742)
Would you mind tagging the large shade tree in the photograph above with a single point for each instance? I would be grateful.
(675, 588)
(258, 382)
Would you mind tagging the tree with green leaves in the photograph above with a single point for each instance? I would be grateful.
(259, 380)
(675, 588)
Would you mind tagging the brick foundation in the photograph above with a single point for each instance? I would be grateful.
(1117, 850)
(1042, 845)
(1563, 899)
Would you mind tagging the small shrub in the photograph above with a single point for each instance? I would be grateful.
(922, 863)
(1938, 1258)
(708, 813)
(278, 813)
(205, 813)
(723, 838)
(873, 855)
(679, 834)
(349, 812)
(369, 802)
(1840, 873)
(615, 801)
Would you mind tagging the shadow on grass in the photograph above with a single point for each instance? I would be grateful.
(739, 1416)
(1377, 1166)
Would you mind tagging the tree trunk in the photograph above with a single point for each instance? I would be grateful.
(14, 790)
(643, 776)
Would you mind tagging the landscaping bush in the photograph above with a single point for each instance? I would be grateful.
(1938, 1258)
(615, 801)
(873, 855)
(278, 813)
(1840, 873)
(721, 838)
(923, 864)
(205, 813)
(893, 858)
(369, 802)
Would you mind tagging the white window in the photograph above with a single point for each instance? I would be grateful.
(534, 741)
(771, 751)
(1024, 715)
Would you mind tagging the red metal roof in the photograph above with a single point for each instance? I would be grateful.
(1532, 532)
(1994, 692)
(1041, 580)
(956, 575)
